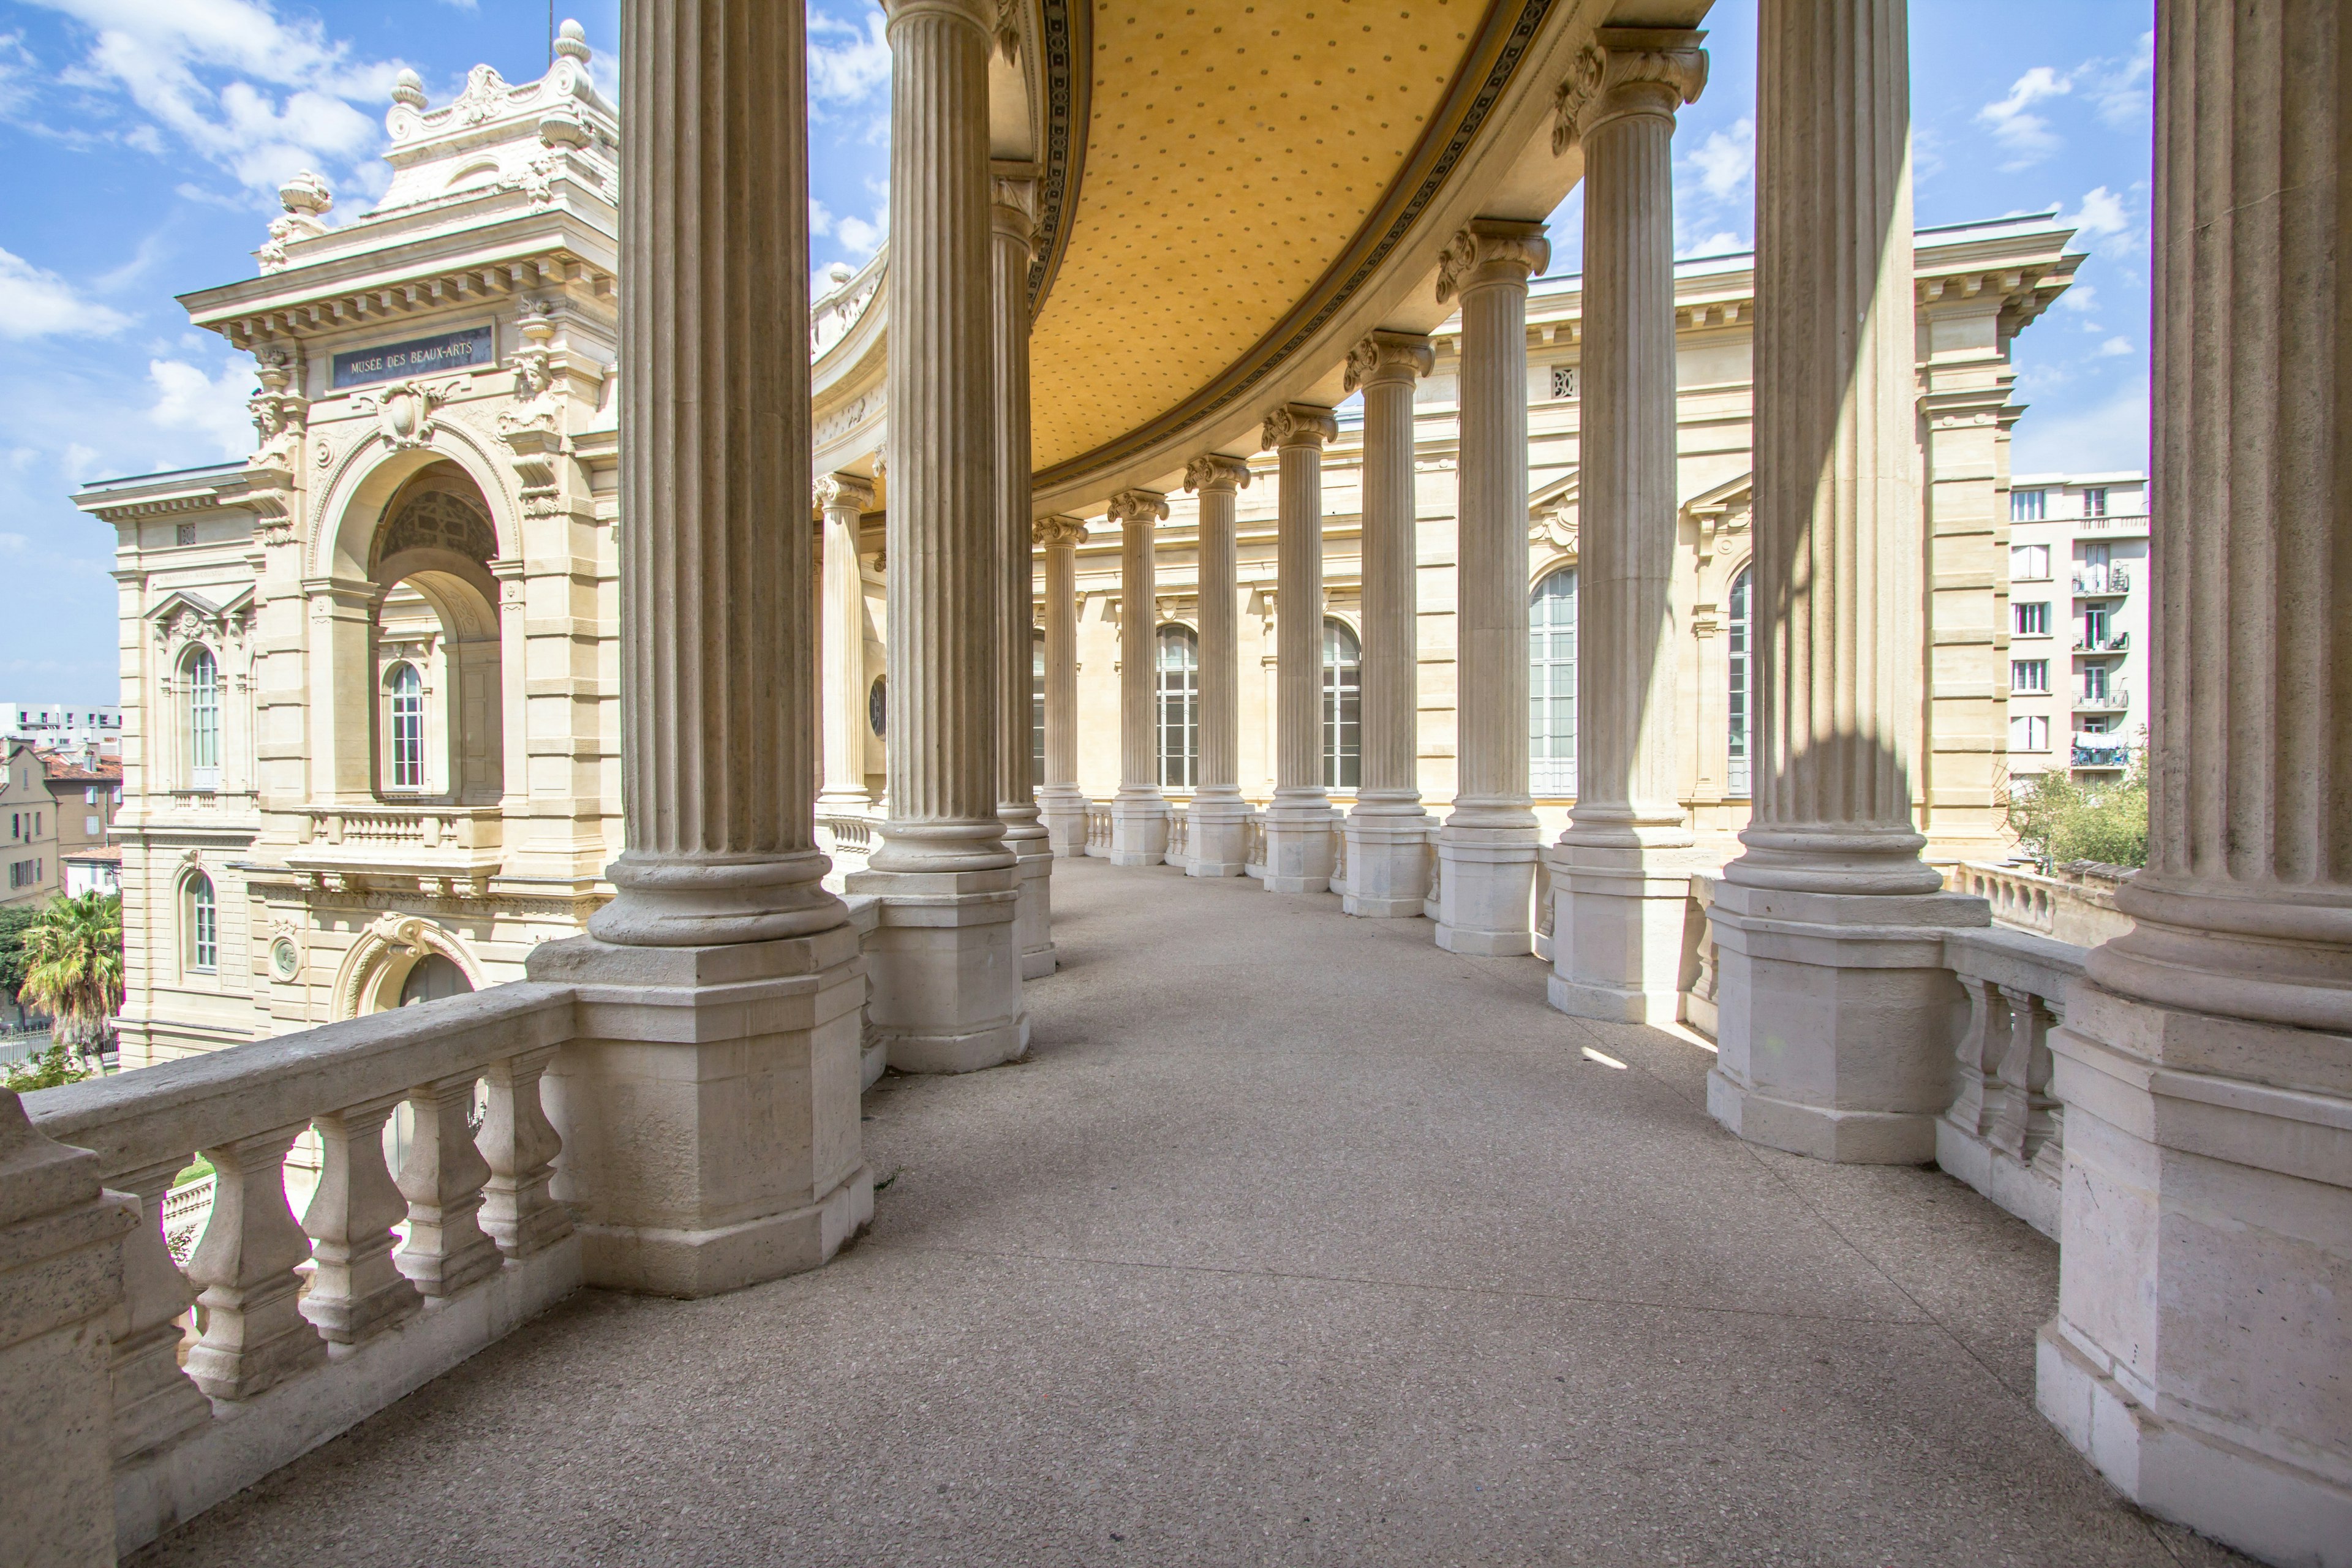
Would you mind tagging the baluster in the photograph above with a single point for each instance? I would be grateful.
(1983, 1047)
(153, 1400)
(2023, 1123)
(255, 1333)
(442, 1178)
(521, 1145)
(356, 1292)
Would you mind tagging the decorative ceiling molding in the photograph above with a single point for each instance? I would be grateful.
(1065, 64)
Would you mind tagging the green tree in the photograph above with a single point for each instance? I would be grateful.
(73, 953)
(2058, 820)
(14, 922)
(47, 1070)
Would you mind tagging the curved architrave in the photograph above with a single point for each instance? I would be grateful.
(377, 963)
(351, 505)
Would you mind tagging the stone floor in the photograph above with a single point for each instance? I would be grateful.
(1294, 1240)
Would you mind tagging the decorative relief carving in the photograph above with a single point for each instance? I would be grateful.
(406, 411)
(1299, 424)
(280, 415)
(532, 428)
(439, 520)
(1048, 532)
(1215, 470)
(1485, 243)
(1139, 506)
(1390, 357)
(306, 199)
(844, 419)
(1627, 71)
(833, 491)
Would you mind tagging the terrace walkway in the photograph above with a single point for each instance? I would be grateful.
(1295, 1241)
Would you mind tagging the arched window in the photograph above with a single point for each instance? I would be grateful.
(1343, 707)
(1036, 708)
(407, 690)
(204, 720)
(433, 977)
(1551, 686)
(1739, 682)
(1180, 707)
(203, 925)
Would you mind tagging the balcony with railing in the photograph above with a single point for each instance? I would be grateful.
(414, 845)
(2114, 698)
(2102, 581)
(2120, 523)
(2102, 642)
(2101, 752)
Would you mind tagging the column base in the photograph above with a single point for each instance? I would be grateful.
(1625, 933)
(1835, 1019)
(1065, 816)
(2198, 1351)
(1486, 881)
(1033, 917)
(1301, 848)
(945, 961)
(1388, 866)
(709, 1109)
(1139, 829)
(1217, 835)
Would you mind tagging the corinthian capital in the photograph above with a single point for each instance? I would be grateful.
(1299, 425)
(844, 491)
(1047, 532)
(1627, 71)
(1215, 471)
(1139, 506)
(1012, 197)
(1389, 356)
(1491, 250)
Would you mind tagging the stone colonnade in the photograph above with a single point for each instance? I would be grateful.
(1140, 812)
(1215, 831)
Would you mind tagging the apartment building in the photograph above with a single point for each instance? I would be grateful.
(2078, 623)
(30, 867)
(60, 726)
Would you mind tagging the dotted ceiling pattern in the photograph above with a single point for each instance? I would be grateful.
(1231, 150)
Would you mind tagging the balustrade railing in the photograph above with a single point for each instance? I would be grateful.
(1253, 845)
(1340, 855)
(1179, 823)
(848, 840)
(2004, 1135)
(404, 828)
(1099, 830)
(325, 1303)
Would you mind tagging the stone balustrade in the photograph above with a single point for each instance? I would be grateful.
(2077, 905)
(1253, 845)
(2004, 1134)
(277, 1366)
(1179, 826)
(848, 838)
(1099, 830)
(404, 828)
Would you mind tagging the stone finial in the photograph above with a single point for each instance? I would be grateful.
(1487, 243)
(306, 195)
(1139, 506)
(1047, 532)
(1390, 357)
(1299, 424)
(408, 88)
(1215, 471)
(571, 42)
(561, 127)
(1627, 71)
(844, 491)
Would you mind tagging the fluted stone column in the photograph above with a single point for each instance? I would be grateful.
(1621, 873)
(709, 1108)
(2201, 1353)
(1388, 831)
(1834, 1004)
(946, 958)
(1486, 850)
(1300, 847)
(846, 498)
(1215, 831)
(1059, 800)
(1011, 219)
(1140, 812)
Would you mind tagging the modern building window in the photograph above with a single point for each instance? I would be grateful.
(2028, 506)
(1739, 683)
(2028, 733)
(1036, 708)
(2029, 562)
(2094, 502)
(203, 683)
(1180, 707)
(2029, 675)
(1551, 685)
(2030, 620)
(407, 688)
(1343, 707)
(2095, 681)
(203, 925)
(2094, 626)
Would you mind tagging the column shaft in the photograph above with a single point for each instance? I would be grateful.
(1214, 833)
(846, 499)
(1486, 851)
(1140, 812)
(1834, 1005)
(1620, 887)
(1059, 800)
(1011, 221)
(2198, 1350)
(1299, 851)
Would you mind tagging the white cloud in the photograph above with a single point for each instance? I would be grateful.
(849, 70)
(2012, 123)
(19, 70)
(860, 237)
(2114, 346)
(820, 217)
(1723, 242)
(1724, 161)
(2121, 89)
(2102, 214)
(187, 399)
(38, 304)
(80, 462)
(2079, 296)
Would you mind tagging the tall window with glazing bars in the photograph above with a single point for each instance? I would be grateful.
(1551, 686)
(1180, 707)
(1343, 707)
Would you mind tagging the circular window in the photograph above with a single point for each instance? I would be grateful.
(877, 706)
(285, 958)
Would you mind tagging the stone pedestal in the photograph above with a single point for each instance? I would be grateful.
(1388, 866)
(710, 1109)
(1301, 847)
(946, 967)
(1216, 836)
(1836, 1022)
(1485, 888)
(1064, 813)
(1620, 930)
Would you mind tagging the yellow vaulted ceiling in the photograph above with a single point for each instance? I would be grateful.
(1232, 152)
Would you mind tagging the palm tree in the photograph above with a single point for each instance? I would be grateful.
(73, 965)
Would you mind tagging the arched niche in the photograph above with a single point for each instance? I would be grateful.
(436, 646)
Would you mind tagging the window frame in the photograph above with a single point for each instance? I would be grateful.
(1740, 687)
(201, 712)
(408, 756)
(1176, 705)
(202, 903)
(1340, 708)
(1551, 756)
(2018, 669)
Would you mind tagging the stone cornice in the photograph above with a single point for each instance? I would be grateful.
(1217, 471)
(1139, 506)
(1299, 425)
(1491, 250)
(405, 303)
(1048, 532)
(1063, 76)
(1628, 70)
(1390, 357)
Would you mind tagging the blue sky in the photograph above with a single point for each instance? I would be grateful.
(147, 138)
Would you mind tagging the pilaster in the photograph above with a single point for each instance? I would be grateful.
(1299, 847)
(1140, 812)
(1214, 830)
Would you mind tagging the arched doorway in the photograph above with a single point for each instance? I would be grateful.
(439, 687)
